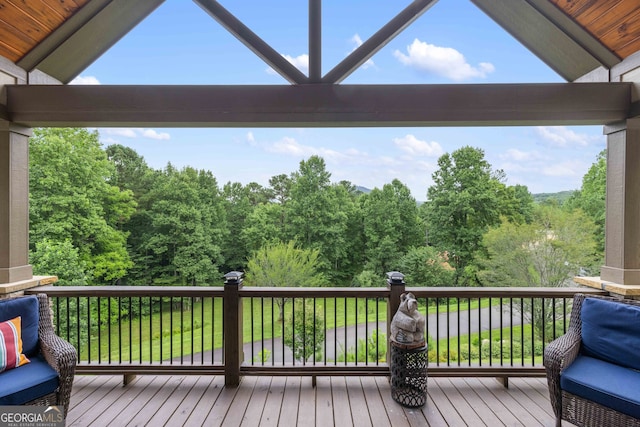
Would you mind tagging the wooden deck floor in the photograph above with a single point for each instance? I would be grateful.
(289, 401)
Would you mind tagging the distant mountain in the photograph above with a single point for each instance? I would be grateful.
(560, 197)
(362, 189)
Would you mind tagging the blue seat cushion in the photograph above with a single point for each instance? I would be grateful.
(611, 331)
(29, 309)
(610, 385)
(28, 382)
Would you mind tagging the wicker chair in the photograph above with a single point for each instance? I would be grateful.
(58, 353)
(558, 355)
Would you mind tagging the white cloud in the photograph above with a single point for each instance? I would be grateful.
(301, 62)
(561, 136)
(564, 169)
(125, 132)
(152, 134)
(85, 80)
(443, 61)
(520, 156)
(290, 146)
(416, 147)
(357, 41)
(136, 133)
(250, 138)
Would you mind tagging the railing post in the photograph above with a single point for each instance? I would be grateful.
(396, 286)
(232, 317)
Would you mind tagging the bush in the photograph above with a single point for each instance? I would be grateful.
(370, 349)
(304, 331)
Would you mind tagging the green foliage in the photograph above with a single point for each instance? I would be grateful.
(368, 279)
(60, 259)
(72, 199)
(183, 228)
(467, 198)
(547, 252)
(262, 227)
(424, 266)
(370, 349)
(238, 204)
(304, 331)
(391, 226)
(559, 198)
(316, 216)
(283, 264)
(591, 197)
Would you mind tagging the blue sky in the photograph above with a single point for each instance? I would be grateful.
(453, 42)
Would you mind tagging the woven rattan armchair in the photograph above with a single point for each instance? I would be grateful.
(559, 355)
(58, 353)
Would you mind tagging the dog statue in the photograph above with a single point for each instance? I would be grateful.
(408, 324)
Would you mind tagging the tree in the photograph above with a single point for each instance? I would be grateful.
(391, 226)
(281, 188)
(61, 259)
(591, 197)
(546, 253)
(314, 217)
(238, 207)
(187, 226)
(304, 333)
(262, 227)
(284, 264)
(72, 199)
(467, 198)
(424, 266)
(131, 170)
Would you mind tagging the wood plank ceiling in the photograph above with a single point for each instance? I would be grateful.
(616, 23)
(25, 24)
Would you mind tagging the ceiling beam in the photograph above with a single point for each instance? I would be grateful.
(319, 105)
(563, 46)
(85, 36)
(377, 41)
(315, 41)
(250, 39)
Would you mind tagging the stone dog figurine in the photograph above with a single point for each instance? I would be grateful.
(408, 324)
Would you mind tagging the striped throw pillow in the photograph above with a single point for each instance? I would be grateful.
(11, 344)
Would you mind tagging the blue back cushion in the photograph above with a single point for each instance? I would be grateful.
(29, 309)
(611, 331)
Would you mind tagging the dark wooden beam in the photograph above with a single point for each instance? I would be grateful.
(377, 41)
(320, 105)
(250, 39)
(315, 41)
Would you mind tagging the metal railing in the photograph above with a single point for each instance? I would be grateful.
(235, 330)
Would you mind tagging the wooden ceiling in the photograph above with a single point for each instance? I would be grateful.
(26, 24)
(616, 23)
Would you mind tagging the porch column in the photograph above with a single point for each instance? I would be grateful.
(14, 204)
(622, 228)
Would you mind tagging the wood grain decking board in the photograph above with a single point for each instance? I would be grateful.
(289, 401)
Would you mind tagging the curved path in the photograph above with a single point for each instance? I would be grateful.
(457, 323)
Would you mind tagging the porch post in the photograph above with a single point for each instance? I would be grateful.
(14, 204)
(232, 318)
(622, 226)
